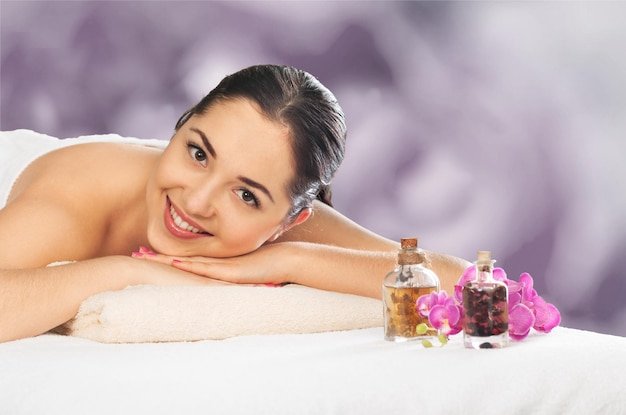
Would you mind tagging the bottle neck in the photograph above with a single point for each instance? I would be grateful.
(409, 257)
(484, 271)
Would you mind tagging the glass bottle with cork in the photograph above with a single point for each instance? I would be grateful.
(485, 307)
(408, 281)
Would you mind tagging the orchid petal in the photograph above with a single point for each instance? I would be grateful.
(514, 299)
(515, 290)
(518, 337)
(528, 292)
(444, 317)
(424, 305)
(521, 320)
(437, 316)
(442, 297)
(547, 316)
(514, 286)
(499, 274)
(426, 302)
(468, 275)
(458, 293)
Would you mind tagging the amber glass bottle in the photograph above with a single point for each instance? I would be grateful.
(409, 280)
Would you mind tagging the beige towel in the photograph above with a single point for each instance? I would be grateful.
(182, 313)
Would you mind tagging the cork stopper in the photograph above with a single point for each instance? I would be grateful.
(408, 243)
(484, 257)
(409, 254)
(484, 261)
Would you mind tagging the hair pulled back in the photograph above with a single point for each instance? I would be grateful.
(313, 116)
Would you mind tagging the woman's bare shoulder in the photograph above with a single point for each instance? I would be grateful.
(84, 169)
(62, 204)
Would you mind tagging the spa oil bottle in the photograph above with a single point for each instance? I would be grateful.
(485, 307)
(409, 280)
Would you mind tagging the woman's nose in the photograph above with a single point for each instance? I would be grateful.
(200, 198)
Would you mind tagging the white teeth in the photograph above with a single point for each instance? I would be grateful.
(181, 223)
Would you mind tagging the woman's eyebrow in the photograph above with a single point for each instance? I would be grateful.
(244, 179)
(256, 185)
(206, 142)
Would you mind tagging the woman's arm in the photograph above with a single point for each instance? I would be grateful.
(327, 226)
(328, 251)
(35, 231)
(33, 301)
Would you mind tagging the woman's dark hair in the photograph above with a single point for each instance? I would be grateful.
(315, 120)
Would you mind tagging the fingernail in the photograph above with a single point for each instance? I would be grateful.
(137, 255)
(145, 250)
(176, 261)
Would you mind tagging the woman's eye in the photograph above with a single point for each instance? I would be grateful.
(248, 197)
(196, 153)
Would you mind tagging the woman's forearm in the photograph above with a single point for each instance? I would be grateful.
(33, 301)
(356, 271)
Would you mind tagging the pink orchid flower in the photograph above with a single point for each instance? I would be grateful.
(547, 316)
(426, 302)
(447, 317)
(442, 311)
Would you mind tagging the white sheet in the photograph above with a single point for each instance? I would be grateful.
(567, 371)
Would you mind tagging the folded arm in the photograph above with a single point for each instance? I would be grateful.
(328, 251)
(35, 298)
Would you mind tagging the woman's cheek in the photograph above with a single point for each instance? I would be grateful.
(247, 236)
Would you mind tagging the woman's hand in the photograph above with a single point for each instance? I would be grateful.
(256, 268)
(158, 272)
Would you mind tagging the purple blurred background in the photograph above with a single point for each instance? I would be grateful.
(473, 125)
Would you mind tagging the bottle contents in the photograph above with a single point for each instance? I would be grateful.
(485, 307)
(409, 280)
(401, 316)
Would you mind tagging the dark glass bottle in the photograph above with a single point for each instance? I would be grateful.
(485, 307)
(409, 280)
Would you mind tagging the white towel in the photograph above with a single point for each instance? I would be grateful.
(146, 313)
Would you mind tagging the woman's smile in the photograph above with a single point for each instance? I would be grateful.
(180, 225)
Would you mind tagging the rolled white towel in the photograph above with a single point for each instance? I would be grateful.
(148, 313)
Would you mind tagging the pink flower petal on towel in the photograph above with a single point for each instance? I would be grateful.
(521, 320)
(547, 316)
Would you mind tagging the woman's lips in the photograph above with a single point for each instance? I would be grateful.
(179, 225)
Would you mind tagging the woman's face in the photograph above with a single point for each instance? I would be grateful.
(220, 187)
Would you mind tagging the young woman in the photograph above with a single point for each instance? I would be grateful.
(239, 195)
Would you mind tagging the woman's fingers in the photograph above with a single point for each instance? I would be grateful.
(241, 270)
(193, 266)
(151, 256)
